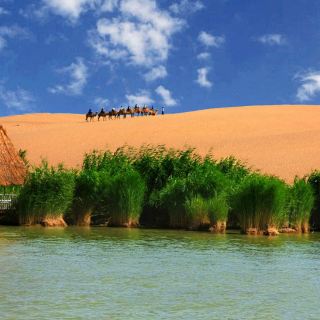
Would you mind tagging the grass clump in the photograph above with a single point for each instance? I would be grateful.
(186, 198)
(46, 196)
(218, 209)
(196, 209)
(260, 203)
(301, 201)
(172, 199)
(314, 181)
(160, 187)
(86, 196)
(158, 165)
(123, 195)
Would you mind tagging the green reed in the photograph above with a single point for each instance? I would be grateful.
(46, 194)
(260, 202)
(301, 201)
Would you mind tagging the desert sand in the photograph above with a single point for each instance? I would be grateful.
(279, 140)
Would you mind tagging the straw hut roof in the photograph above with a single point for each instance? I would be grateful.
(12, 169)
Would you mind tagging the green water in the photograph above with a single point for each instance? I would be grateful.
(105, 273)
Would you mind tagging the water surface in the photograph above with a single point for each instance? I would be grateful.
(106, 273)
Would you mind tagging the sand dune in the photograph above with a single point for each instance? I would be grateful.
(280, 140)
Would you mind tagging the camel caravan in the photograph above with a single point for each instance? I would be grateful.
(116, 114)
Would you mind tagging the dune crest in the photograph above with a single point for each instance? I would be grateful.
(280, 140)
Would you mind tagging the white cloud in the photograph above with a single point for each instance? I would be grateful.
(202, 78)
(101, 102)
(140, 33)
(140, 98)
(209, 40)
(12, 32)
(17, 100)
(186, 7)
(109, 5)
(3, 11)
(78, 74)
(155, 73)
(71, 9)
(310, 86)
(204, 56)
(272, 39)
(166, 96)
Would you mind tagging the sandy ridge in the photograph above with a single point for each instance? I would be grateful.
(281, 140)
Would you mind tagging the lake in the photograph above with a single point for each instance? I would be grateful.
(110, 273)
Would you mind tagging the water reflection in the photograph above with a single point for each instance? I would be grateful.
(111, 273)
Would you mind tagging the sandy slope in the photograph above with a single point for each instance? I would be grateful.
(282, 140)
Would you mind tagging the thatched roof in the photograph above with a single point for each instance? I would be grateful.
(12, 168)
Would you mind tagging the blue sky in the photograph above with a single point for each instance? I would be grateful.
(69, 55)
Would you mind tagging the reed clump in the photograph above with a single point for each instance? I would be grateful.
(172, 199)
(260, 203)
(186, 199)
(158, 166)
(46, 196)
(314, 181)
(86, 196)
(160, 187)
(218, 209)
(301, 201)
(123, 195)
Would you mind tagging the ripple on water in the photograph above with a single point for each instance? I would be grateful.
(83, 273)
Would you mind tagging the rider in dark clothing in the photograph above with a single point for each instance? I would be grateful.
(102, 110)
(90, 112)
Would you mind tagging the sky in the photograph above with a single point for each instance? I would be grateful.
(71, 55)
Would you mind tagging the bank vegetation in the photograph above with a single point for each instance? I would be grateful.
(167, 188)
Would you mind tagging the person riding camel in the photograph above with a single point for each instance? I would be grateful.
(128, 109)
(90, 112)
(102, 110)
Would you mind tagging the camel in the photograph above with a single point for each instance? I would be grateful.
(137, 110)
(121, 112)
(102, 114)
(91, 116)
(145, 111)
(153, 112)
(112, 113)
(130, 111)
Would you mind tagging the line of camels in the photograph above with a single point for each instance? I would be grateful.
(114, 114)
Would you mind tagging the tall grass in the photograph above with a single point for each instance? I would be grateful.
(301, 201)
(158, 165)
(185, 198)
(86, 196)
(123, 194)
(156, 186)
(173, 198)
(218, 209)
(206, 180)
(46, 195)
(260, 203)
(234, 171)
(196, 209)
(314, 181)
